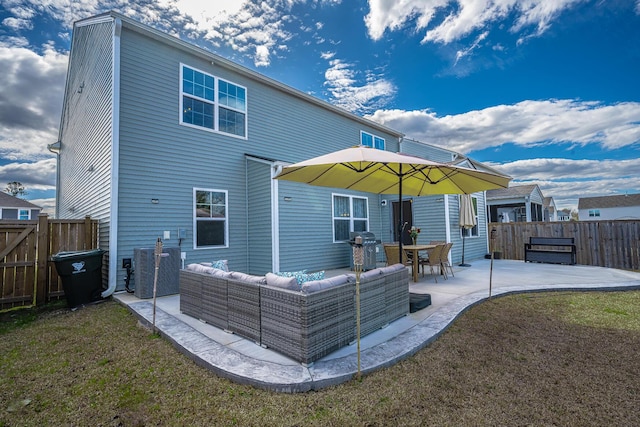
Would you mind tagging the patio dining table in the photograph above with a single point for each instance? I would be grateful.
(415, 250)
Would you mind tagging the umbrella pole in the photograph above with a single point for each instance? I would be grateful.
(462, 264)
(400, 257)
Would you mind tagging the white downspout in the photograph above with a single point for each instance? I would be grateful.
(115, 163)
(275, 219)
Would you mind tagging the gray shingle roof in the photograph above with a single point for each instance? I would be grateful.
(9, 201)
(514, 191)
(617, 201)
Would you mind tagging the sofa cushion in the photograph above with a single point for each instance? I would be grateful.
(199, 268)
(282, 282)
(371, 274)
(318, 285)
(391, 268)
(243, 277)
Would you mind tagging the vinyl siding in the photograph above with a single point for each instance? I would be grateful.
(427, 151)
(86, 129)
(161, 159)
(259, 217)
(306, 227)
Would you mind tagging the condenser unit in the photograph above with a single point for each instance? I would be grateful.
(145, 269)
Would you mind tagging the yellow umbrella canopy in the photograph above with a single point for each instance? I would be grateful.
(383, 172)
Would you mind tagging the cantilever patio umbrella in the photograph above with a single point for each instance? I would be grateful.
(467, 219)
(384, 172)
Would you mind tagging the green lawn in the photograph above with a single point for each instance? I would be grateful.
(530, 359)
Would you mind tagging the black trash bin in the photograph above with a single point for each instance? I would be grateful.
(81, 273)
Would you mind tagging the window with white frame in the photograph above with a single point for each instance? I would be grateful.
(210, 218)
(212, 103)
(370, 140)
(471, 232)
(594, 212)
(350, 213)
(24, 214)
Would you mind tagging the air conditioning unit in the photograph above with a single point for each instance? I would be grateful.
(145, 269)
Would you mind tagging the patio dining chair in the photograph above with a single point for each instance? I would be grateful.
(433, 260)
(444, 260)
(391, 253)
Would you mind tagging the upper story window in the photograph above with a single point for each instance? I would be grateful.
(370, 140)
(350, 213)
(210, 217)
(212, 103)
(24, 214)
(594, 212)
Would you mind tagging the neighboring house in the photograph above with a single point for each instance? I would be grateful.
(14, 208)
(162, 139)
(623, 206)
(564, 215)
(518, 203)
(549, 209)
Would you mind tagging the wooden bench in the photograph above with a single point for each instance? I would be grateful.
(552, 250)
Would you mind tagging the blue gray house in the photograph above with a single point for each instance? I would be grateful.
(160, 138)
(12, 207)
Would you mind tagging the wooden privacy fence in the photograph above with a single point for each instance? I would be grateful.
(27, 276)
(613, 244)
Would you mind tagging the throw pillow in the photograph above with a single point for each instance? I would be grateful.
(221, 264)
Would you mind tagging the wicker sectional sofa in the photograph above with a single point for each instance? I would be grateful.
(303, 322)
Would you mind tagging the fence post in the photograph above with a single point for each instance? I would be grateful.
(42, 263)
(88, 233)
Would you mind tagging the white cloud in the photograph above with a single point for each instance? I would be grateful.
(37, 81)
(566, 180)
(461, 17)
(526, 123)
(15, 24)
(372, 91)
(40, 175)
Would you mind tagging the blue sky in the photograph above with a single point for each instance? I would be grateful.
(547, 91)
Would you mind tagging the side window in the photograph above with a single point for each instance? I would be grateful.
(212, 103)
(350, 213)
(370, 140)
(24, 214)
(594, 212)
(210, 218)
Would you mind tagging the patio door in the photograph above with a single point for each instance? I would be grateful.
(397, 223)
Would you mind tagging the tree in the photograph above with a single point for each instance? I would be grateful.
(15, 188)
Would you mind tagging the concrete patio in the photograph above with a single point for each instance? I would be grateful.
(246, 362)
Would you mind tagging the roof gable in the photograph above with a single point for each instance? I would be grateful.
(513, 192)
(9, 201)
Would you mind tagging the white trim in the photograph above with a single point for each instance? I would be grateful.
(351, 217)
(195, 218)
(215, 103)
(275, 218)
(115, 164)
(447, 222)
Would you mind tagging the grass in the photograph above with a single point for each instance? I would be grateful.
(529, 359)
